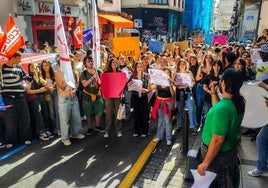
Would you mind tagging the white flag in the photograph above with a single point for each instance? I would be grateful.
(96, 35)
(61, 43)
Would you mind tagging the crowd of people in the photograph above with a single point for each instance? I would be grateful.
(41, 104)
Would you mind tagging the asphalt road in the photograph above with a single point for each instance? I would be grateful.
(92, 162)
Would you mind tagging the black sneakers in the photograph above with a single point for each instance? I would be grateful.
(89, 131)
(194, 131)
(100, 129)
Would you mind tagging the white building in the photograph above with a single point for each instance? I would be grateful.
(224, 14)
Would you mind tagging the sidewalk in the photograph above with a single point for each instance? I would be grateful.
(174, 171)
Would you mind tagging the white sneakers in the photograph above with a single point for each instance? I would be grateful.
(256, 172)
(169, 143)
(118, 134)
(66, 142)
(106, 135)
(156, 140)
(77, 136)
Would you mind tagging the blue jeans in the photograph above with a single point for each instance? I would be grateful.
(69, 116)
(206, 107)
(164, 122)
(262, 147)
(189, 102)
(53, 111)
(200, 96)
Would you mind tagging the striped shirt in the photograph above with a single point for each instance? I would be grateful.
(13, 81)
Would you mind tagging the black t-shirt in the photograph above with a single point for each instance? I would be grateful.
(163, 92)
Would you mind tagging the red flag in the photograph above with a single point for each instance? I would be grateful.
(13, 39)
(70, 23)
(2, 35)
(78, 35)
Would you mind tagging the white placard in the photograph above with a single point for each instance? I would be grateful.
(183, 79)
(202, 181)
(256, 112)
(158, 77)
(126, 71)
(135, 85)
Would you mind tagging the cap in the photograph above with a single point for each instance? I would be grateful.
(233, 79)
(264, 48)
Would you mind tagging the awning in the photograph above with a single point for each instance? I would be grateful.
(118, 21)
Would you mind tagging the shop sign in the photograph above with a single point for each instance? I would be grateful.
(25, 7)
(29, 7)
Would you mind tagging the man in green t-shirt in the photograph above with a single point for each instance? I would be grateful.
(220, 134)
(91, 95)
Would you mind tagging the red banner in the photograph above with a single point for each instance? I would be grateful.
(113, 84)
(70, 23)
(78, 35)
(13, 39)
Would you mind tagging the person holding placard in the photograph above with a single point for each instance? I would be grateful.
(138, 83)
(112, 104)
(162, 110)
(184, 82)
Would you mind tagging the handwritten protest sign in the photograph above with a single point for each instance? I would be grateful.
(183, 79)
(183, 45)
(169, 46)
(112, 84)
(156, 46)
(255, 55)
(135, 85)
(158, 77)
(127, 46)
(221, 39)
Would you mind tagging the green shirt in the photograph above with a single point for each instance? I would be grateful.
(222, 120)
(92, 88)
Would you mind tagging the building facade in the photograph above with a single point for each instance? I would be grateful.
(224, 14)
(157, 19)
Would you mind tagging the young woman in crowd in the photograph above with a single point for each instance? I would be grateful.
(140, 102)
(162, 110)
(202, 71)
(112, 104)
(177, 52)
(35, 87)
(184, 97)
(212, 77)
(240, 64)
(51, 96)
